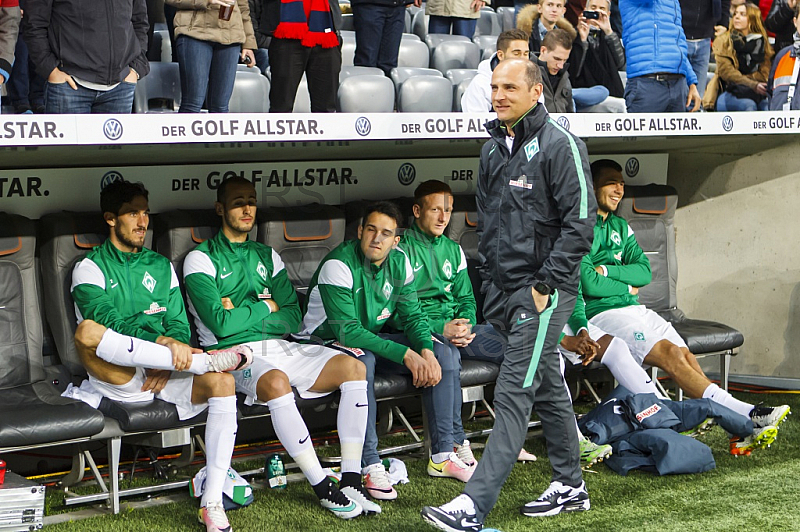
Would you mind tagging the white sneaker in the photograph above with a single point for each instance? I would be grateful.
(377, 483)
(213, 516)
(558, 498)
(457, 515)
(464, 451)
(360, 496)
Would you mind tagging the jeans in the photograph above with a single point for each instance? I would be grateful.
(487, 345)
(208, 71)
(25, 87)
(728, 102)
(262, 60)
(60, 98)
(699, 55)
(589, 96)
(647, 95)
(379, 30)
(460, 26)
(442, 402)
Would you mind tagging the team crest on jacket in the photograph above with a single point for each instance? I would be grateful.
(262, 270)
(384, 315)
(532, 148)
(149, 282)
(615, 238)
(447, 268)
(387, 289)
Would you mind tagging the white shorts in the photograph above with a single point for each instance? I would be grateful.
(595, 333)
(302, 364)
(178, 391)
(638, 327)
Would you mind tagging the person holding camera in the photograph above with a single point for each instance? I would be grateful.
(210, 39)
(744, 58)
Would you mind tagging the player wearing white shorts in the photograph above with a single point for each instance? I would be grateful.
(611, 275)
(239, 293)
(132, 337)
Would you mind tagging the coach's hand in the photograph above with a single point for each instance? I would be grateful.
(425, 369)
(181, 353)
(539, 300)
(156, 380)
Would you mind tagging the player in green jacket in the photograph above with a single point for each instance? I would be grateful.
(355, 291)
(239, 291)
(611, 275)
(132, 337)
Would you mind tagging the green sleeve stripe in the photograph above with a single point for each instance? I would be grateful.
(578, 167)
(541, 333)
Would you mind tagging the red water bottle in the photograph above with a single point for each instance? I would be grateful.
(2, 471)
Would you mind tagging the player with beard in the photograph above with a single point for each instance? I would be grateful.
(239, 292)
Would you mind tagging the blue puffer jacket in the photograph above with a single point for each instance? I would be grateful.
(654, 39)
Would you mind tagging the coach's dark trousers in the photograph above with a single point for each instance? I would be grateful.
(530, 375)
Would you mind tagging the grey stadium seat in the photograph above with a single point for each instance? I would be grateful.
(433, 40)
(486, 41)
(366, 94)
(160, 90)
(400, 74)
(650, 212)
(348, 47)
(425, 94)
(506, 15)
(32, 411)
(348, 71)
(410, 36)
(302, 100)
(250, 92)
(456, 54)
(457, 75)
(458, 93)
(413, 54)
(488, 23)
(302, 236)
(419, 24)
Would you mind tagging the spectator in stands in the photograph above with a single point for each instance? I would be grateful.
(478, 96)
(132, 338)
(257, 306)
(357, 288)
(538, 19)
(209, 48)
(459, 16)
(90, 56)
(611, 276)
(305, 40)
(379, 26)
(660, 76)
(782, 84)
(9, 47)
(779, 22)
(595, 61)
(744, 58)
(533, 173)
(258, 13)
(552, 61)
(701, 19)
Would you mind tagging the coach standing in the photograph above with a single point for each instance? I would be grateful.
(535, 222)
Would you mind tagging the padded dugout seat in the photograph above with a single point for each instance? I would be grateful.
(650, 212)
(32, 411)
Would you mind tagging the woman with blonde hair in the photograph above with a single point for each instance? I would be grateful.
(744, 57)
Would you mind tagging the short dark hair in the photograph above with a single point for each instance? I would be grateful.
(557, 37)
(115, 194)
(222, 189)
(432, 186)
(505, 38)
(533, 74)
(603, 164)
(387, 208)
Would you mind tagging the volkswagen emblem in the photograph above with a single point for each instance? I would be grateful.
(406, 174)
(727, 122)
(363, 127)
(110, 177)
(563, 122)
(112, 129)
(632, 167)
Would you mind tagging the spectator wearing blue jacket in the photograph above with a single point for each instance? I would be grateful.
(660, 76)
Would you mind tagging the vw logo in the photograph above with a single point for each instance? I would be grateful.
(112, 129)
(563, 122)
(363, 127)
(110, 177)
(406, 174)
(632, 167)
(727, 122)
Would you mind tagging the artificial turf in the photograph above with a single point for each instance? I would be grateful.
(743, 493)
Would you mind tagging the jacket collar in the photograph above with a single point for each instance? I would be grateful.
(110, 250)
(223, 241)
(419, 234)
(526, 127)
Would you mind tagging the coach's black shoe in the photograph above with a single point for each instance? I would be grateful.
(457, 515)
(556, 499)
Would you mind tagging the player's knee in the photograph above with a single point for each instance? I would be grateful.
(273, 384)
(676, 360)
(88, 335)
(223, 385)
(356, 371)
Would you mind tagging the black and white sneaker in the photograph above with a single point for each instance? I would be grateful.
(334, 500)
(359, 495)
(764, 416)
(556, 499)
(457, 515)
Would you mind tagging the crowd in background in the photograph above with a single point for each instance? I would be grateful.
(603, 55)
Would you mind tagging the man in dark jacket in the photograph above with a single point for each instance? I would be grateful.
(9, 28)
(700, 17)
(782, 84)
(258, 15)
(535, 207)
(780, 22)
(552, 61)
(91, 53)
(379, 26)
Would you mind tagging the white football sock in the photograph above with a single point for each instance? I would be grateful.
(220, 438)
(718, 395)
(133, 352)
(628, 373)
(438, 458)
(293, 434)
(351, 421)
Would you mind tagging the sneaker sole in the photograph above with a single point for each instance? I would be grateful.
(578, 506)
(345, 513)
(433, 521)
(596, 459)
(762, 441)
(441, 474)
